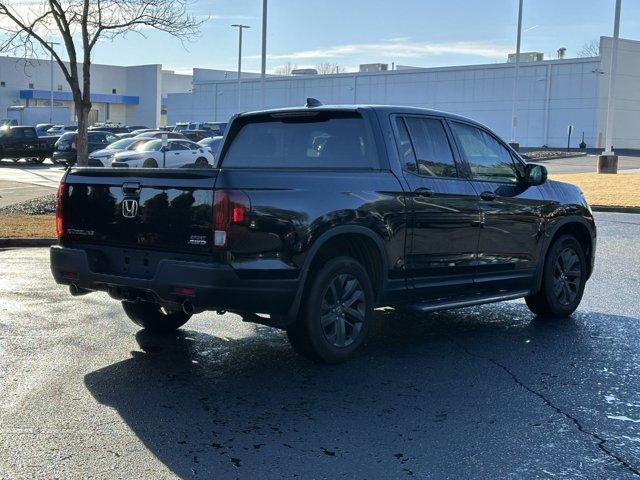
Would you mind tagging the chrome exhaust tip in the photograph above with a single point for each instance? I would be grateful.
(76, 291)
(187, 307)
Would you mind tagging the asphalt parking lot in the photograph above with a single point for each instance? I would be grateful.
(485, 392)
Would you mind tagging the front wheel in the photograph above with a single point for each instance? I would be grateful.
(153, 317)
(336, 314)
(150, 163)
(201, 163)
(563, 280)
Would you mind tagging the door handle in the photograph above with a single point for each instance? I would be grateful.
(423, 192)
(488, 196)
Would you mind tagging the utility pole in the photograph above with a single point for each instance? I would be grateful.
(51, 84)
(608, 161)
(514, 108)
(263, 70)
(240, 29)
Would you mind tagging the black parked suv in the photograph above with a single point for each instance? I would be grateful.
(66, 151)
(317, 215)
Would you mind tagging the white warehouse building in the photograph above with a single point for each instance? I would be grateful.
(552, 94)
(133, 95)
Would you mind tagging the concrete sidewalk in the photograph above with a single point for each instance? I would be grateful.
(588, 164)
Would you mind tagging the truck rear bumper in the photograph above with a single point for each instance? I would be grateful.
(208, 286)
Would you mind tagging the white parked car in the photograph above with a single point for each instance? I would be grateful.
(106, 156)
(177, 154)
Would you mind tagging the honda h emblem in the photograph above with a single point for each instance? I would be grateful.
(130, 208)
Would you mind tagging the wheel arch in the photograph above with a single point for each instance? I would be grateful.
(578, 227)
(355, 241)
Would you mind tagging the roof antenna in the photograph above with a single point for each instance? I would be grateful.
(312, 102)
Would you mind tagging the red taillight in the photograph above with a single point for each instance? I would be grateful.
(230, 209)
(61, 196)
(238, 213)
(184, 291)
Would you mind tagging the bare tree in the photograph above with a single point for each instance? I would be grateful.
(590, 49)
(82, 24)
(285, 69)
(326, 68)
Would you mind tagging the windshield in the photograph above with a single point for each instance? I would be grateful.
(210, 141)
(67, 137)
(139, 143)
(121, 144)
(152, 146)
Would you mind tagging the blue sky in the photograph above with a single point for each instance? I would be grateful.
(350, 32)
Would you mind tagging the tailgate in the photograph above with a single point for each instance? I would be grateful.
(154, 209)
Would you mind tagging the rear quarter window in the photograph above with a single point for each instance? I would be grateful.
(336, 140)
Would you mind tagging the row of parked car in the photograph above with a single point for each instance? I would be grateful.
(116, 146)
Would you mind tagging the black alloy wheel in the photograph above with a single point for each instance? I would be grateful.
(567, 275)
(337, 312)
(342, 311)
(563, 280)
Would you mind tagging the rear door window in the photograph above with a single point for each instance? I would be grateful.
(429, 145)
(318, 140)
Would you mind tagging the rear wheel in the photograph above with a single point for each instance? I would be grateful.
(150, 163)
(153, 317)
(563, 280)
(336, 314)
(201, 162)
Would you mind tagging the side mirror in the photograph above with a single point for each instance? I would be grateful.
(535, 174)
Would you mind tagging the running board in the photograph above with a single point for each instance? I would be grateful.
(435, 306)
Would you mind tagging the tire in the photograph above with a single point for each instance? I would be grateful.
(340, 296)
(201, 163)
(154, 318)
(563, 280)
(150, 163)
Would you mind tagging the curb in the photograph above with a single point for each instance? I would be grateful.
(606, 208)
(554, 157)
(27, 242)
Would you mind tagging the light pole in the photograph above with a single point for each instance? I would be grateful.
(263, 70)
(608, 161)
(514, 110)
(608, 147)
(240, 28)
(51, 85)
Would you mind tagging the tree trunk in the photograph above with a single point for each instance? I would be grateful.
(82, 141)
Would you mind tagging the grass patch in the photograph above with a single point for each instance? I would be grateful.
(27, 226)
(606, 189)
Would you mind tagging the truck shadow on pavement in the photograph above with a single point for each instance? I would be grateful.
(488, 390)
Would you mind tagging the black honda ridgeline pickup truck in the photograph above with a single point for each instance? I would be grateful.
(314, 216)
